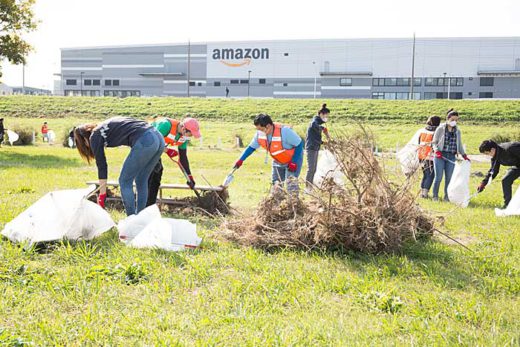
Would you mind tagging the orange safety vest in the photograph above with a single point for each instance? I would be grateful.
(275, 147)
(170, 138)
(425, 145)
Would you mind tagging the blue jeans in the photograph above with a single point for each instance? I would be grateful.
(428, 174)
(138, 166)
(280, 173)
(443, 166)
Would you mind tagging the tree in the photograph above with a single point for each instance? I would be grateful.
(16, 18)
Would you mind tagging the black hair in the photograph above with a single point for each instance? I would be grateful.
(263, 120)
(434, 121)
(451, 112)
(487, 145)
(324, 109)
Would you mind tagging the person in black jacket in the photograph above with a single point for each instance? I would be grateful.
(507, 154)
(2, 130)
(313, 142)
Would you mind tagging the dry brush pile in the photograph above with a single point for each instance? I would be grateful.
(367, 213)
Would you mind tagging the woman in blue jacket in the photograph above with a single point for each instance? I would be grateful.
(314, 141)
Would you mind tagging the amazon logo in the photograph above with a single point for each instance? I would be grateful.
(239, 56)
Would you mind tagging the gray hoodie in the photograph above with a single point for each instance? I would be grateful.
(438, 139)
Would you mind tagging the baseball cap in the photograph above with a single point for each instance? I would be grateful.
(192, 125)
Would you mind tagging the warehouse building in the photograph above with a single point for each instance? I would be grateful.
(458, 68)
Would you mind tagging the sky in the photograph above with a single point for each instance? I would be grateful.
(81, 23)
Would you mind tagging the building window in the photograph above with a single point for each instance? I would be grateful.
(485, 95)
(417, 82)
(96, 82)
(199, 84)
(70, 82)
(487, 81)
(108, 83)
(87, 82)
(192, 84)
(470, 93)
(455, 95)
(115, 82)
(456, 81)
(286, 54)
(261, 81)
(390, 81)
(244, 81)
(234, 81)
(378, 95)
(345, 82)
(285, 84)
(375, 82)
(216, 84)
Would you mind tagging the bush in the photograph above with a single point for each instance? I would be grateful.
(509, 137)
(26, 136)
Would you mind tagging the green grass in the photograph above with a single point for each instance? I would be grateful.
(240, 110)
(100, 292)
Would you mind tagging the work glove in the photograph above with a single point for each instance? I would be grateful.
(292, 167)
(170, 152)
(101, 200)
(481, 187)
(465, 157)
(238, 164)
(191, 182)
(438, 154)
(326, 131)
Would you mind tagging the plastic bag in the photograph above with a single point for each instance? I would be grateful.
(408, 156)
(62, 214)
(51, 135)
(12, 137)
(513, 209)
(328, 167)
(148, 230)
(458, 189)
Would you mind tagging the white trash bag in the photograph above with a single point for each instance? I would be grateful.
(51, 135)
(328, 167)
(149, 230)
(458, 189)
(408, 156)
(513, 209)
(62, 214)
(12, 137)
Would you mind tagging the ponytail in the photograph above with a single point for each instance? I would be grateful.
(451, 112)
(324, 109)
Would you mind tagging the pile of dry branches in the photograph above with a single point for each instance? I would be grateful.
(367, 213)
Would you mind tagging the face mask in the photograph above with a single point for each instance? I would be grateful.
(452, 123)
(325, 119)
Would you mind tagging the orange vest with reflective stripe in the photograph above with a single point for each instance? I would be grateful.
(425, 145)
(170, 138)
(275, 147)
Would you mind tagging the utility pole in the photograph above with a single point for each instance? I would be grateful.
(248, 81)
(189, 66)
(413, 68)
(81, 83)
(449, 87)
(314, 65)
(444, 84)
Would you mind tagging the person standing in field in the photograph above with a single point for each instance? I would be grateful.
(227, 92)
(175, 134)
(146, 143)
(283, 145)
(2, 131)
(45, 132)
(507, 154)
(425, 154)
(447, 143)
(313, 143)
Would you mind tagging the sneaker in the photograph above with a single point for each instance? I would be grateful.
(446, 199)
(435, 198)
(424, 193)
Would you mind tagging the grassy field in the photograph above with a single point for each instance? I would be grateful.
(102, 293)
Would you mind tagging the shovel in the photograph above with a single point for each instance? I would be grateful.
(229, 178)
(187, 178)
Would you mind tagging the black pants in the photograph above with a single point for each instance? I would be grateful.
(507, 182)
(154, 182)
